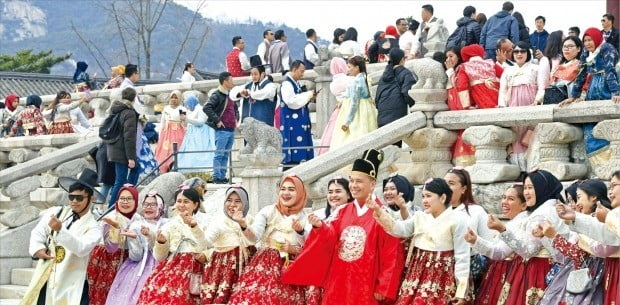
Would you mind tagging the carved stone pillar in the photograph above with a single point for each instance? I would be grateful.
(490, 142)
(554, 151)
(610, 131)
(100, 105)
(325, 100)
(430, 154)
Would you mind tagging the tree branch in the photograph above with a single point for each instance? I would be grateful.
(88, 47)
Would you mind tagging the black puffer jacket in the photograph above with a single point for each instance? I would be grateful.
(125, 148)
(472, 33)
(392, 97)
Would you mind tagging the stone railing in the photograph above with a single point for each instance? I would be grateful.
(31, 183)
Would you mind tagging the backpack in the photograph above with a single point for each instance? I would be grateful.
(458, 38)
(111, 129)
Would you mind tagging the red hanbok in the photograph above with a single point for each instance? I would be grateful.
(169, 282)
(478, 82)
(611, 281)
(492, 283)
(525, 284)
(220, 274)
(260, 282)
(352, 257)
(463, 154)
(101, 270)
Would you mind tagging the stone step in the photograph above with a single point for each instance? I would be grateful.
(21, 276)
(12, 291)
(10, 301)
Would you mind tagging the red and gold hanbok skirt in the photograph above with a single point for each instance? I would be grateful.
(525, 284)
(169, 282)
(492, 283)
(101, 270)
(260, 283)
(611, 281)
(429, 279)
(221, 273)
(60, 128)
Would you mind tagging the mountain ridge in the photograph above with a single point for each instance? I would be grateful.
(44, 24)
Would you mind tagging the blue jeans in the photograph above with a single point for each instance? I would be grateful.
(223, 141)
(123, 176)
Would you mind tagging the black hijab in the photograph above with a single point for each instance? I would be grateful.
(546, 187)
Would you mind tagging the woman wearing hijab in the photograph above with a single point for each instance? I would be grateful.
(10, 113)
(437, 241)
(177, 248)
(199, 137)
(81, 79)
(281, 228)
(112, 251)
(30, 120)
(597, 70)
(140, 237)
(526, 282)
(579, 251)
(398, 193)
(172, 125)
(390, 42)
(231, 249)
(392, 97)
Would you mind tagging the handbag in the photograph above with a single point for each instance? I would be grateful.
(195, 281)
(555, 94)
(579, 281)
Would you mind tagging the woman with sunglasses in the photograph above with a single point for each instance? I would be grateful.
(522, 85)
(57, 113)
(526, 282)
(229, 250)
(502, 256)
(281, 228)
(140, 236)
(579, 251)
(462, 201)
(438, 241)
(177, 248)
(106, 258)
(338, 193)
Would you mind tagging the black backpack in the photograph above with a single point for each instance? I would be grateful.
(111, 129)
(458, 38)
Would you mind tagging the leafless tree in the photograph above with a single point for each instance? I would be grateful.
(187, 37)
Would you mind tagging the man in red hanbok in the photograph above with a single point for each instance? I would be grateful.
(350, 255)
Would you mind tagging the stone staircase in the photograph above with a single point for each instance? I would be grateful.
(11, 294)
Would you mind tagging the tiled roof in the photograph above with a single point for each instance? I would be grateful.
(24, 84)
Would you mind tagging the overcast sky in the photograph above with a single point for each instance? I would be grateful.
(370, 16)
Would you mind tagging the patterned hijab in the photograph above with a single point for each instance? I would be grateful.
(8, 101)
(300, 203)
(161, 208)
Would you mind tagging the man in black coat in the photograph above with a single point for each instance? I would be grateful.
(392, 97)
(123, 151)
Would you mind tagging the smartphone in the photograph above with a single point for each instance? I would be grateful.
(317, 91)
(181, 112)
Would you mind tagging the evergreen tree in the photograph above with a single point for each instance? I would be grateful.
(26, 61)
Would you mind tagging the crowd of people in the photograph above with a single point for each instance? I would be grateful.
(556, 246)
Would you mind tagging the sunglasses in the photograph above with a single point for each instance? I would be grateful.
(519, 51)
(76, 197)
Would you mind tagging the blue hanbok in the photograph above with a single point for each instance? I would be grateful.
(199, 137)
(295, 122)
